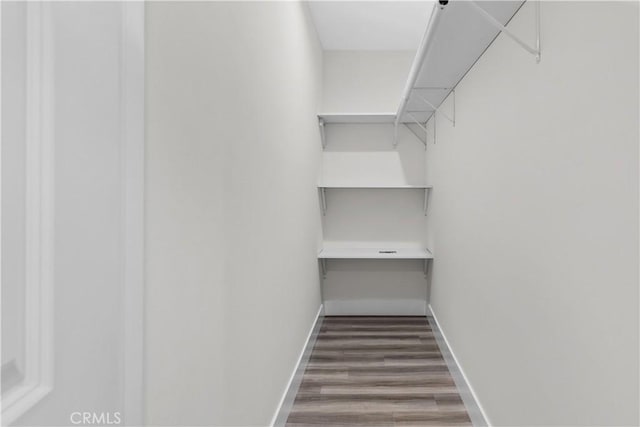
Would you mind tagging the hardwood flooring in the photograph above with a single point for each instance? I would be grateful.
(377, 371)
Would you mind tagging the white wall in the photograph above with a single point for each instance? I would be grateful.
(232, 210)
(535, 220)
(364, 81)
(184, 248)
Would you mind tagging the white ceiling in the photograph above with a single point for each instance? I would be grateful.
(371, 25)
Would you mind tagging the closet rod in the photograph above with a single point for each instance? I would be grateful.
(425, 45)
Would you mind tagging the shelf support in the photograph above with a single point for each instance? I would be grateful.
(323, 198)
(434, 130)
(395, 136)
(323, 267)
(420, 125)
(427, 264)
(416, 121)
(427, 192)
(438, 110)
(493, 21)
(323, 138)
(417, 135)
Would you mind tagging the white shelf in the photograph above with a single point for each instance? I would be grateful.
(375, 186)
(457, 35)
(323, 189)
(374, 253)
(368, 118)
(354, 118)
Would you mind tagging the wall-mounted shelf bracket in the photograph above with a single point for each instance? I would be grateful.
(434, 130)
(323, 200)
(323, 138)
(439, 111)
(416, 134)
(323, 267)
(427, 264)
(427, 192)
(493, 21)
(413, 131)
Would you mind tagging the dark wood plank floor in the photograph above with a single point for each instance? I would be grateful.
(377, 371)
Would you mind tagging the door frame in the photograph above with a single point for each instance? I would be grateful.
(38, 378)
(38, 375)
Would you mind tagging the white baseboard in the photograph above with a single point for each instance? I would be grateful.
(375, 307)
(472, 404)
(286, 402)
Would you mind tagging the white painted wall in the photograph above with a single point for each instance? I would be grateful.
(535, 220)
(87, 42)
(364, 81)
(233, 152)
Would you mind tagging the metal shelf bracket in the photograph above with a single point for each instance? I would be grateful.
(323, 199)
(413, 131)
(439, 111)
(434, 131)
(493, 21)
(427, 264)
(323, 138)
(427, 192)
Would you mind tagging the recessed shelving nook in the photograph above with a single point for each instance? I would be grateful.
(374, 201)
